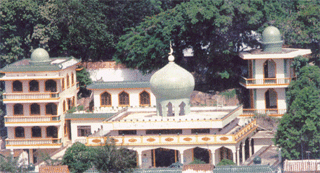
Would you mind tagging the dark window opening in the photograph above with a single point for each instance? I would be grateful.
(127, 132)
(52, 132)
(51, 109)
(36, 131)
(84, 130)
(105, 99)
(124, 98)
(144, 98)
(17, 86)
(19, 131)
(34, 85)
(18, 109)
(35, 109)
(51, 85)
(164, 131)
(194, 131)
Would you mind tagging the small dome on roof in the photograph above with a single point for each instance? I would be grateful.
(40, 55)
(271, 40)
(271, 34)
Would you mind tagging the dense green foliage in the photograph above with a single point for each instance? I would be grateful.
(10, 164)
(109, 158)
(83, 77)
(225, 162)
(197, 161)
(299, 128)
(77, 157)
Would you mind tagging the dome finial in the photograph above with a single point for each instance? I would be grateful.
(171, 57)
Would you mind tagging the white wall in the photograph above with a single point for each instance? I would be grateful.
(261, 104)
(121, 74)
(95, 125)
(261, 142)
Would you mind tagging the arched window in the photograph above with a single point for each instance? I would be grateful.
(51, 85)
(105, 99)
(170, 109)
(33, 85)
(144, 99)
(269, 67)
(124, 99)
(63, 85)
(18, 109)
(182, 110)
(36, 131)
(271, 99)
(52, 132)
(68, 81)
(16, 86)
(51, 109)
(72, 78)
(35, 109)
(19, 131)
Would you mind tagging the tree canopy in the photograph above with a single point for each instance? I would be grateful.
(298, 130)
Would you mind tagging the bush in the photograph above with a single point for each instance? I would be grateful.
(225, 162)
(77, 157)
(197, 161)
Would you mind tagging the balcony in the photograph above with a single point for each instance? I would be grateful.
(265, 82)
(30, 96)
(203, 139)
(269, 112)
(33, 143)
(31, 120)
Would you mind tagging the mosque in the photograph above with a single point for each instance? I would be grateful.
(150, 115)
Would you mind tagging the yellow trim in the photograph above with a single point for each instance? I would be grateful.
(79, 69)
(68, 81)
(117, 88)
(6, 100)
(58, 144)
(154, 158)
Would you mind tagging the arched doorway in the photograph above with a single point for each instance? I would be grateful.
(269, 67)
(225, 153)
(163, 157)
(271, 99)
(201, 154)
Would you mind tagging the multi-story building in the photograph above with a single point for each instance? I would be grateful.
(38, 92)
(269, 74)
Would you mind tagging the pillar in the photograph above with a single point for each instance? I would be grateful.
(139, 155)
(213, 157)
(30, 155)
(234, 158)
(250, 148)
(181, 156)
(238, 156)
(176, 109)
(243, 153)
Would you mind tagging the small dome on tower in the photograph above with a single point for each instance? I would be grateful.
(40, 56)
(271, 40)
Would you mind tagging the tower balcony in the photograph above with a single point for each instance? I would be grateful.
(200, 139)
(269, 112)
(251, 83)
(33, 143)
(32, 120)
(9, 97)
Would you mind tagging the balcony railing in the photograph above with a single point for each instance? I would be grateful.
(44, 141)
(201, 139)
(270, 112)
(264, 82)
(18, 119)
(13, 96)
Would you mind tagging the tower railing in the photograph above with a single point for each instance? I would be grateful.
(264, 81)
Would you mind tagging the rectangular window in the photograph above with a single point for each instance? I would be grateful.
(84, 130)
(199, 131)
(171, 131)
(127, 132)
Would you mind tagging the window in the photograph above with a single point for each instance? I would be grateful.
(18, 109)
(105, 99)
(52, 132)
(68, 81)
(127, 132)
(64, 106)
(84, 130)
(62, 83)
(19, 131)
(124, 99)
(165, 131)
(51, 85)
(33, 85)
(51, 109)
(35, 109)
(36, 131)
(194, 131)
(17, 86)
(145, 98)
(72, 78)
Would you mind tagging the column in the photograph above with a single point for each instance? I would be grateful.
(243, 153)
(176, 109)
(30, 155)
(234, 158)
(213, 157)
(181, 156)
(238, 156)
(139, 155)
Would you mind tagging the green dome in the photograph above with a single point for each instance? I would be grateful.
(271, 34)
(40, 55)
(271, 40)
(172, 82)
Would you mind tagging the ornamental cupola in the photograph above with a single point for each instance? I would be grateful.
(271, 40)
(39, 56)
(172, 85)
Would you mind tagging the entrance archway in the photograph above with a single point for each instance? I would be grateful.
(163, 157)
(201, 154)
(271, 99)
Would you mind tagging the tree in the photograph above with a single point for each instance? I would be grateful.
(77, 157)
(109, 158)
(215, 30)
(10, 164)
(83, 77)
(299, 127)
